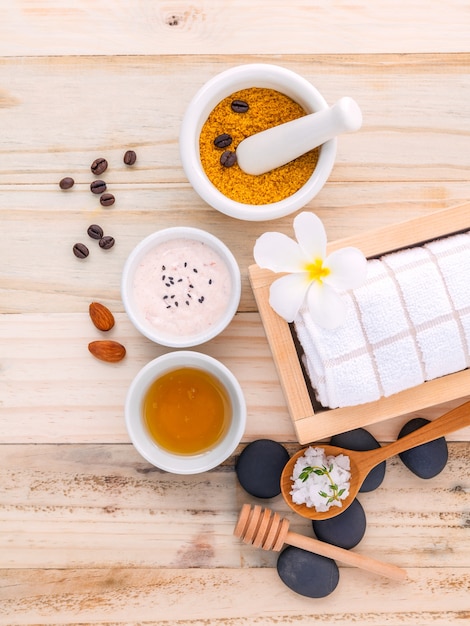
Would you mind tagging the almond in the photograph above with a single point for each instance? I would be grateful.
(107, 350)
(101, 316)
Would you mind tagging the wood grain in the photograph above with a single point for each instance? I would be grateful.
(411, 130)
(89, 532)
(129, 596)
(103, 506)
(70, 27)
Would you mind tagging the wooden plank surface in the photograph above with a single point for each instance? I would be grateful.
(70, 27)
(90, 533)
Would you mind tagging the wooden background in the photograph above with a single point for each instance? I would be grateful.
(89, 532)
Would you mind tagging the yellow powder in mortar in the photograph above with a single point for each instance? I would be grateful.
(267, 108)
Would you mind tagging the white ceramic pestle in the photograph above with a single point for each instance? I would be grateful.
(281, 144)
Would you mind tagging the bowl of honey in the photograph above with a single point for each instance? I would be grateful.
(185, 412)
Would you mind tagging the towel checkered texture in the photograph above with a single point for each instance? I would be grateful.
(409, 323)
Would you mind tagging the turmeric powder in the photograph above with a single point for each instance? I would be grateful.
(265, 108)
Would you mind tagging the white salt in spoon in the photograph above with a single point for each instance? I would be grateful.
(281, 144)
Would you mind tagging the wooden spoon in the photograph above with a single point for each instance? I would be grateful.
(363, 462)
(267, 530)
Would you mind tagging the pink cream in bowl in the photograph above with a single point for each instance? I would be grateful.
(181, 286)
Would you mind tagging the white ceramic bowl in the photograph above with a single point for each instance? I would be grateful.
(135, 312)
(223, 85)
(137, 430)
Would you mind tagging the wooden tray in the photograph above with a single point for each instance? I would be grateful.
(313, 426)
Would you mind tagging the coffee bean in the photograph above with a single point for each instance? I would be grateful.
(228, 158)
(107, 199)
(106, 242)
(95, 231)
(66, 183)
(80, 250)
(222, 141)
(99, 166)
(130, 157)
(239, 106)
(98, 186)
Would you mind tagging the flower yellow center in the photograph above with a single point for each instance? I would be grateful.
(317, 271)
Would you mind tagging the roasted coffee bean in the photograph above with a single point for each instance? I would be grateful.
(80, 250)
(66, 183)
(107, 199)
(95, 231)
(239, 106)
(106, 242)
(99, 166)
(228, 158)
(98, 186)
(222, 141)
(130, 157)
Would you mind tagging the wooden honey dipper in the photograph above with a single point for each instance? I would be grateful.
(267, 530)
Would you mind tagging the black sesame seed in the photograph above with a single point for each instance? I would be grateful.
(191, 286)
(194, 270)
(180, 280)
(201, 299)
(176, 303)
(172, 296)
(163, 277)
(169, 306)
(210, 281)
(187, 302)
(163, 268)
(165, 297)
(185, 264)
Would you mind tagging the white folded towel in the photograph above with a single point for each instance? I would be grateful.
(409, 323)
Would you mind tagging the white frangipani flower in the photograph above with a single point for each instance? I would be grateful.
(310, 273)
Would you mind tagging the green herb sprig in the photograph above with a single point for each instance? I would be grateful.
(323, 471)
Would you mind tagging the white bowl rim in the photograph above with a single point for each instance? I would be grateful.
(209, 95)
(148, 449)
(144, 246)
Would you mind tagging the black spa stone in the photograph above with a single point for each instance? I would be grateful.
(344, 530)
(306, 573)
(361, 439)
(428, 459)
(259, 468)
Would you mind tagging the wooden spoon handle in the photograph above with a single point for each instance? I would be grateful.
(345, 556)
(449, 422)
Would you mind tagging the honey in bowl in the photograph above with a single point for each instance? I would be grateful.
(187, 411)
